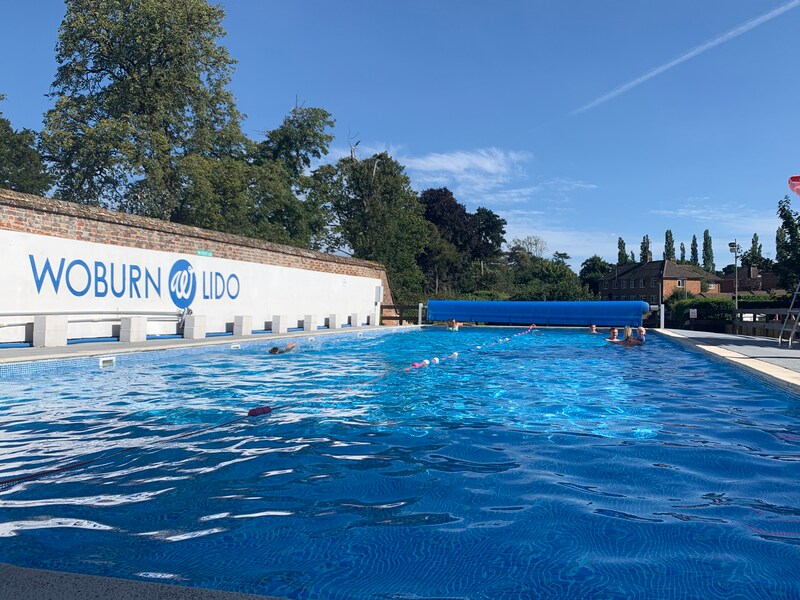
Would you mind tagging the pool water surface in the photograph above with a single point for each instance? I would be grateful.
(548, 464)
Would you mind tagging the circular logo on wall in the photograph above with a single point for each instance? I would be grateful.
(182, 283)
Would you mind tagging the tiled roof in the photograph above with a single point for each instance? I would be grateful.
(655, 268)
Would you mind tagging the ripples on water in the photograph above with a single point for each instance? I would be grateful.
(550, 465)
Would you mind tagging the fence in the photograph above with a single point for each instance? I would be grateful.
(403, 314)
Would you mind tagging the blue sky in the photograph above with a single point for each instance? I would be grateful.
(576, 121)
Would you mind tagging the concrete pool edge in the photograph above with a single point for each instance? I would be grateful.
(22, 583)
(782, 377)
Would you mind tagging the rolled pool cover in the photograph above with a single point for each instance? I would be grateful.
(579, 312)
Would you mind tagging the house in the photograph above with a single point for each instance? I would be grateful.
(656, 280)
(751, 280)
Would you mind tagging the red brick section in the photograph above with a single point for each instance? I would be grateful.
(43, 216)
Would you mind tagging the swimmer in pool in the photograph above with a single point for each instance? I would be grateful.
(287, 348)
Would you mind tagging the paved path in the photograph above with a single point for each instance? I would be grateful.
(760, 356)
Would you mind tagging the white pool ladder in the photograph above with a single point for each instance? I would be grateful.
(790, 318)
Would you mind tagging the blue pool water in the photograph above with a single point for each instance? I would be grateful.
(547, 465)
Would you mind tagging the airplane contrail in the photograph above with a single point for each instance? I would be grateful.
(720, 39)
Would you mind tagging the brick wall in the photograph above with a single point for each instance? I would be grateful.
(670, 285)
(43, 216)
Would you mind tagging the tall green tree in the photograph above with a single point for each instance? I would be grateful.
(376, 216)
(708, 252)
(669, 245)
(622, 253)
(140, 93)
(753, 256)
(21, 165)
(644, 249)
(683, 253)
(787, 245)
(694, 257)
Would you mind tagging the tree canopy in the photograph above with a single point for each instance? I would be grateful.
(787, 244)
(21, 165)
(140, 95)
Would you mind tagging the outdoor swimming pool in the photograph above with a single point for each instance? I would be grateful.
(547, 465)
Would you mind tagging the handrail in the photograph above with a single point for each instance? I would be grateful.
(790, 339)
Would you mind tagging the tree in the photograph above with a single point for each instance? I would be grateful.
(644, 249)
(561, 257)
(532, 244)
(490, 230)
(451, 218)
(753, 256)
(683, 253)
(633, 257)
(21, 165)
(669, 246)
(304, 135)
(694, 259)
(548, 279)
(592, 270)
(441, 262)
(787, 245)
(140, 92)
(622, 253)
(377, 216)
(708, 253)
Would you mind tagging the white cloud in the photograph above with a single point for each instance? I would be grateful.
(491, 161)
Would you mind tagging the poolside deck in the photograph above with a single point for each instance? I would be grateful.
(761, 357)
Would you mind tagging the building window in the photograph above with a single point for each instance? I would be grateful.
(711, 285)
(680, 283)
(615, 284)
(623, 297)
(653, 299)
(624, 283)
(654, 282)
(605, 285)
(641, 283)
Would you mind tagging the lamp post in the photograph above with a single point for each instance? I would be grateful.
(734, 247)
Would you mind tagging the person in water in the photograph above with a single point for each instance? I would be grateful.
(593, 328)
(629, 340)
(613, 335)
(452, 324)
(287, 348)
